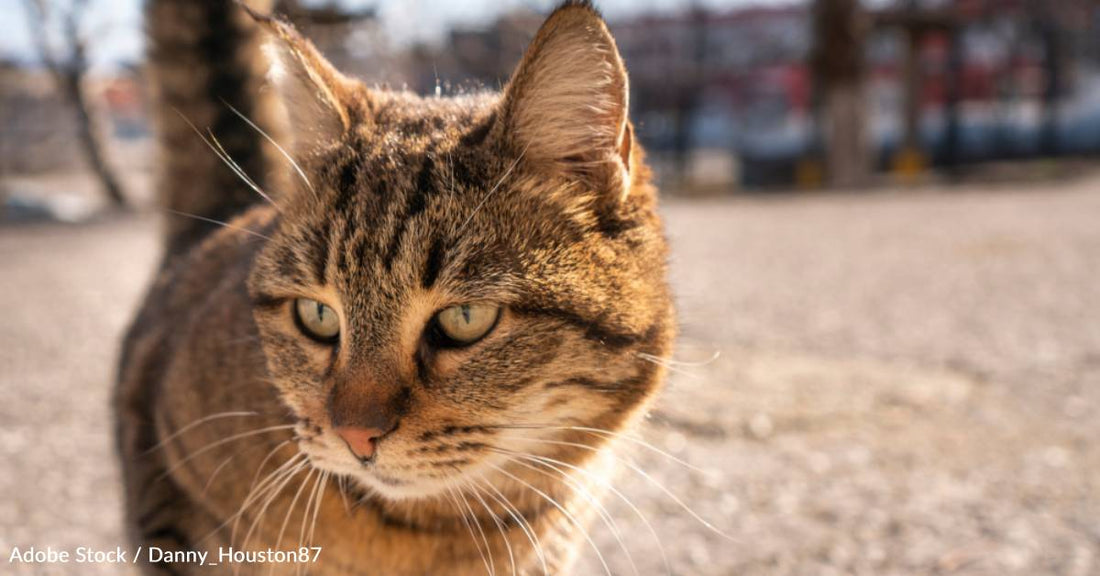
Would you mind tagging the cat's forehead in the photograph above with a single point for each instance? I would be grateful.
(420, 200)
(407, 116)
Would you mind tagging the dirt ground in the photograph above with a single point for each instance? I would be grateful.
(905, 383)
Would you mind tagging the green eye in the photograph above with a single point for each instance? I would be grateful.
(465, 324)
(317, 320)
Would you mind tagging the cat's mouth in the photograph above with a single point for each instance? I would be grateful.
(386, 471)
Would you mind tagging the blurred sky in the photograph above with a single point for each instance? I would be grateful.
(115, 25)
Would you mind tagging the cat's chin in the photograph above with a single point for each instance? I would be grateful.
(376, 482)
(401, 490)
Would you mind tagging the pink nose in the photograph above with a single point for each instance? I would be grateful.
(360, 441)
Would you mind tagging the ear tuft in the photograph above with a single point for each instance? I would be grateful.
(567, 101)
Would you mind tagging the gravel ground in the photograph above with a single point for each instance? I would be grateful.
(905, 383)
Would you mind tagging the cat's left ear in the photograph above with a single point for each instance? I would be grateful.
(315, 95)
(566, 103)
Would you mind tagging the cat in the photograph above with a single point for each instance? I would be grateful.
(411, 338)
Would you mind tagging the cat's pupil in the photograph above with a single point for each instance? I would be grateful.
(320, 312)
(466, 313)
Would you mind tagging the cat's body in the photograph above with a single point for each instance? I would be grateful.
(395, 448)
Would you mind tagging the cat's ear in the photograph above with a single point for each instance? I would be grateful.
(566, 103)
(314, 94)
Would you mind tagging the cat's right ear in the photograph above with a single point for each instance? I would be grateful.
(313, 92)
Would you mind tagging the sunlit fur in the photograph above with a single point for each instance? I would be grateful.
(537, 200)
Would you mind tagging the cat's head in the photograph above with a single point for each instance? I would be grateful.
(454, 281)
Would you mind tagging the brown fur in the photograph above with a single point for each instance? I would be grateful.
(537, 200)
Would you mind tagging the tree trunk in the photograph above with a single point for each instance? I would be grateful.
(839, 32)
(846, 154)
(1054, 72)
(90, 140)
(69, 76)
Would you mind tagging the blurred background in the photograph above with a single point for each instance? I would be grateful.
(728, 95)
(885, 217)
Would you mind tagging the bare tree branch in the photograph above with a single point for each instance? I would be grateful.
(68, 72)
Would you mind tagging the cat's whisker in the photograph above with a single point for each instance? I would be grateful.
(306, 516)
(500, 525)
(319, 491)
(522, 522)
(214, 474)
(580, 490)
(194, 424)
(221, 442)
(633, 440)
(714, 356)
(677, 500)
(240, 171)
(317, 507)
(224, 157)
(493, 190)
(217, 222)
(477, 522)
(469, 527)
(666, 364)
(257, 491)
(244, 504)
(341, 485)
(289, 158)
(553, 502)
(626, 462)
(289, 512)
(286, 470)
(600, 432)
(269, 499)
(622, 497)
(269, 456)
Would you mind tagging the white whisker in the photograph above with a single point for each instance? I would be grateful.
(469, 527)
(643, 474)
(633, 440)
(480, 530)
(248, 496)
(221, 442)
(289, 511)
(499, 524)
(322, 485)
(214, 474)
(584, 493)
(637, 511)
(665, 363)
(572, 519)
(197, 422)
(224, 157)
(518, 518)
(218, 222)
(485, 199)
(270, 499)
(289, 158)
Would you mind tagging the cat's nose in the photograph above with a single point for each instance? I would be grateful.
(361, 441)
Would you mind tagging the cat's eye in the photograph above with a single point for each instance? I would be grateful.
(318, 321)
(465, 324)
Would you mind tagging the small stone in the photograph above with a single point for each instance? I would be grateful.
(760, 426)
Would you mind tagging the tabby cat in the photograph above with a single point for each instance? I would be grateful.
(408, 333)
